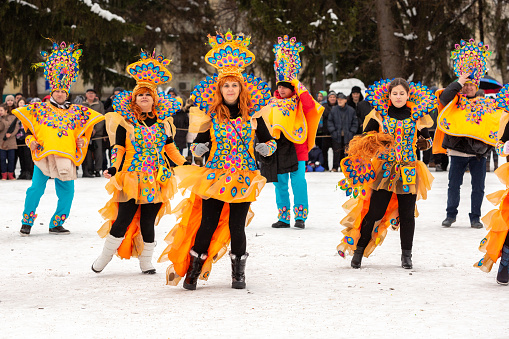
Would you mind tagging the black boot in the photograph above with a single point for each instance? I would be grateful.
(194, 270)
(503, 269)
(357, 257)
(238, 270)
(406, 259)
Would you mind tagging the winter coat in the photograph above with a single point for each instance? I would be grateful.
(362, 109)
(315, 155)
(323, 129)
(342, 122)
(181, 121)
(284, 160)
(5, 122)
(97, 106)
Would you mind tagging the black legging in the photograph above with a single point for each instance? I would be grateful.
(126, 212)
(378, 206)
(211, 212)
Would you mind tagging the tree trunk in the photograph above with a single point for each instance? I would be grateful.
(33, 86)
(392, 61)
(24, 84)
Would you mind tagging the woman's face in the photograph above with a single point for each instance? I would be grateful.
(21, 103)
(230, 92)
(2, 111)
(398, 96)
(145, 101)
(9, 102)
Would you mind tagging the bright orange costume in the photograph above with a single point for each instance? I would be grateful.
(397, 170)
(142, 172)
(497, 221)
(230, 174)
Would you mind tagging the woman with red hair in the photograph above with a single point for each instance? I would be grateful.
(141, 181)
(218, 210)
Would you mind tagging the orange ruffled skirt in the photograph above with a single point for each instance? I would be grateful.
(497, 223)
(203, 185)
(145, 189)
(357, 208)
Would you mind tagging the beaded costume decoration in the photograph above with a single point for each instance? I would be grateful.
(61, 67)
(230, 56)
(424, 99)
(287, 62)
(469, 57)
(502, 99)
(150, 71)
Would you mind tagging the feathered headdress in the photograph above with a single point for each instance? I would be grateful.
(287, 62)
(469, 57)
(229, 54)
(61, 67)
(150, 71)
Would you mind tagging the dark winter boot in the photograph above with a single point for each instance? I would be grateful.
(238, 270)
(406, 259)
(503, 269)
(280, 224)
(25, 230)
(357, 257)
(194, 270)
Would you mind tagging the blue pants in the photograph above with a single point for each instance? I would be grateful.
(478, 173)
(65, 194)
(300, 194)
(7, 160)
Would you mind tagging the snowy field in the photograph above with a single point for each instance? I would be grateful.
(297, 285)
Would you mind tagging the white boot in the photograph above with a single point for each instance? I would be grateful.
(110, 247)
(145, 258)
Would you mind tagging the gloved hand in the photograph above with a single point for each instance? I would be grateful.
(506, 147)
(422, 143)
(263, 149)
(201, 149)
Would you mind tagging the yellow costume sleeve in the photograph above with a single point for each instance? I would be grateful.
(199, 121)
(174, 154)
(117, 153)
(57, 130)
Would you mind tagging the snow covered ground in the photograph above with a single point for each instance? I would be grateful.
(298, 286)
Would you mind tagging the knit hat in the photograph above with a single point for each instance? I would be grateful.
(287, 85)
(9, 97)
(356, 89)
(331, 93)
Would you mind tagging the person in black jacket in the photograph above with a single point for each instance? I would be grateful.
(342, 126)
(323, 139)
(361, 106)
(464, 152)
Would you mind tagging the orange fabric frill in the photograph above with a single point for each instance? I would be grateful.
(181, 239)
(356, 209)
(497, 223)
(145, 189)
(231, 186)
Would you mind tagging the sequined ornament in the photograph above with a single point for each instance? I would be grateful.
(287, 62)
(61, 67)
(470, 57)
(230, 56)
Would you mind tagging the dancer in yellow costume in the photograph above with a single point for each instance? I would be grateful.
(496, 243)
(222, 191)
(294, 117)
(58, 135)
(466, 128)
(382, 171)
(141, 180)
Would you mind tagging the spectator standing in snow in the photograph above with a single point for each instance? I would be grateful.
(7, 142)
(361, 106)
(342, 124)
(324, 140)
(94, 161)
